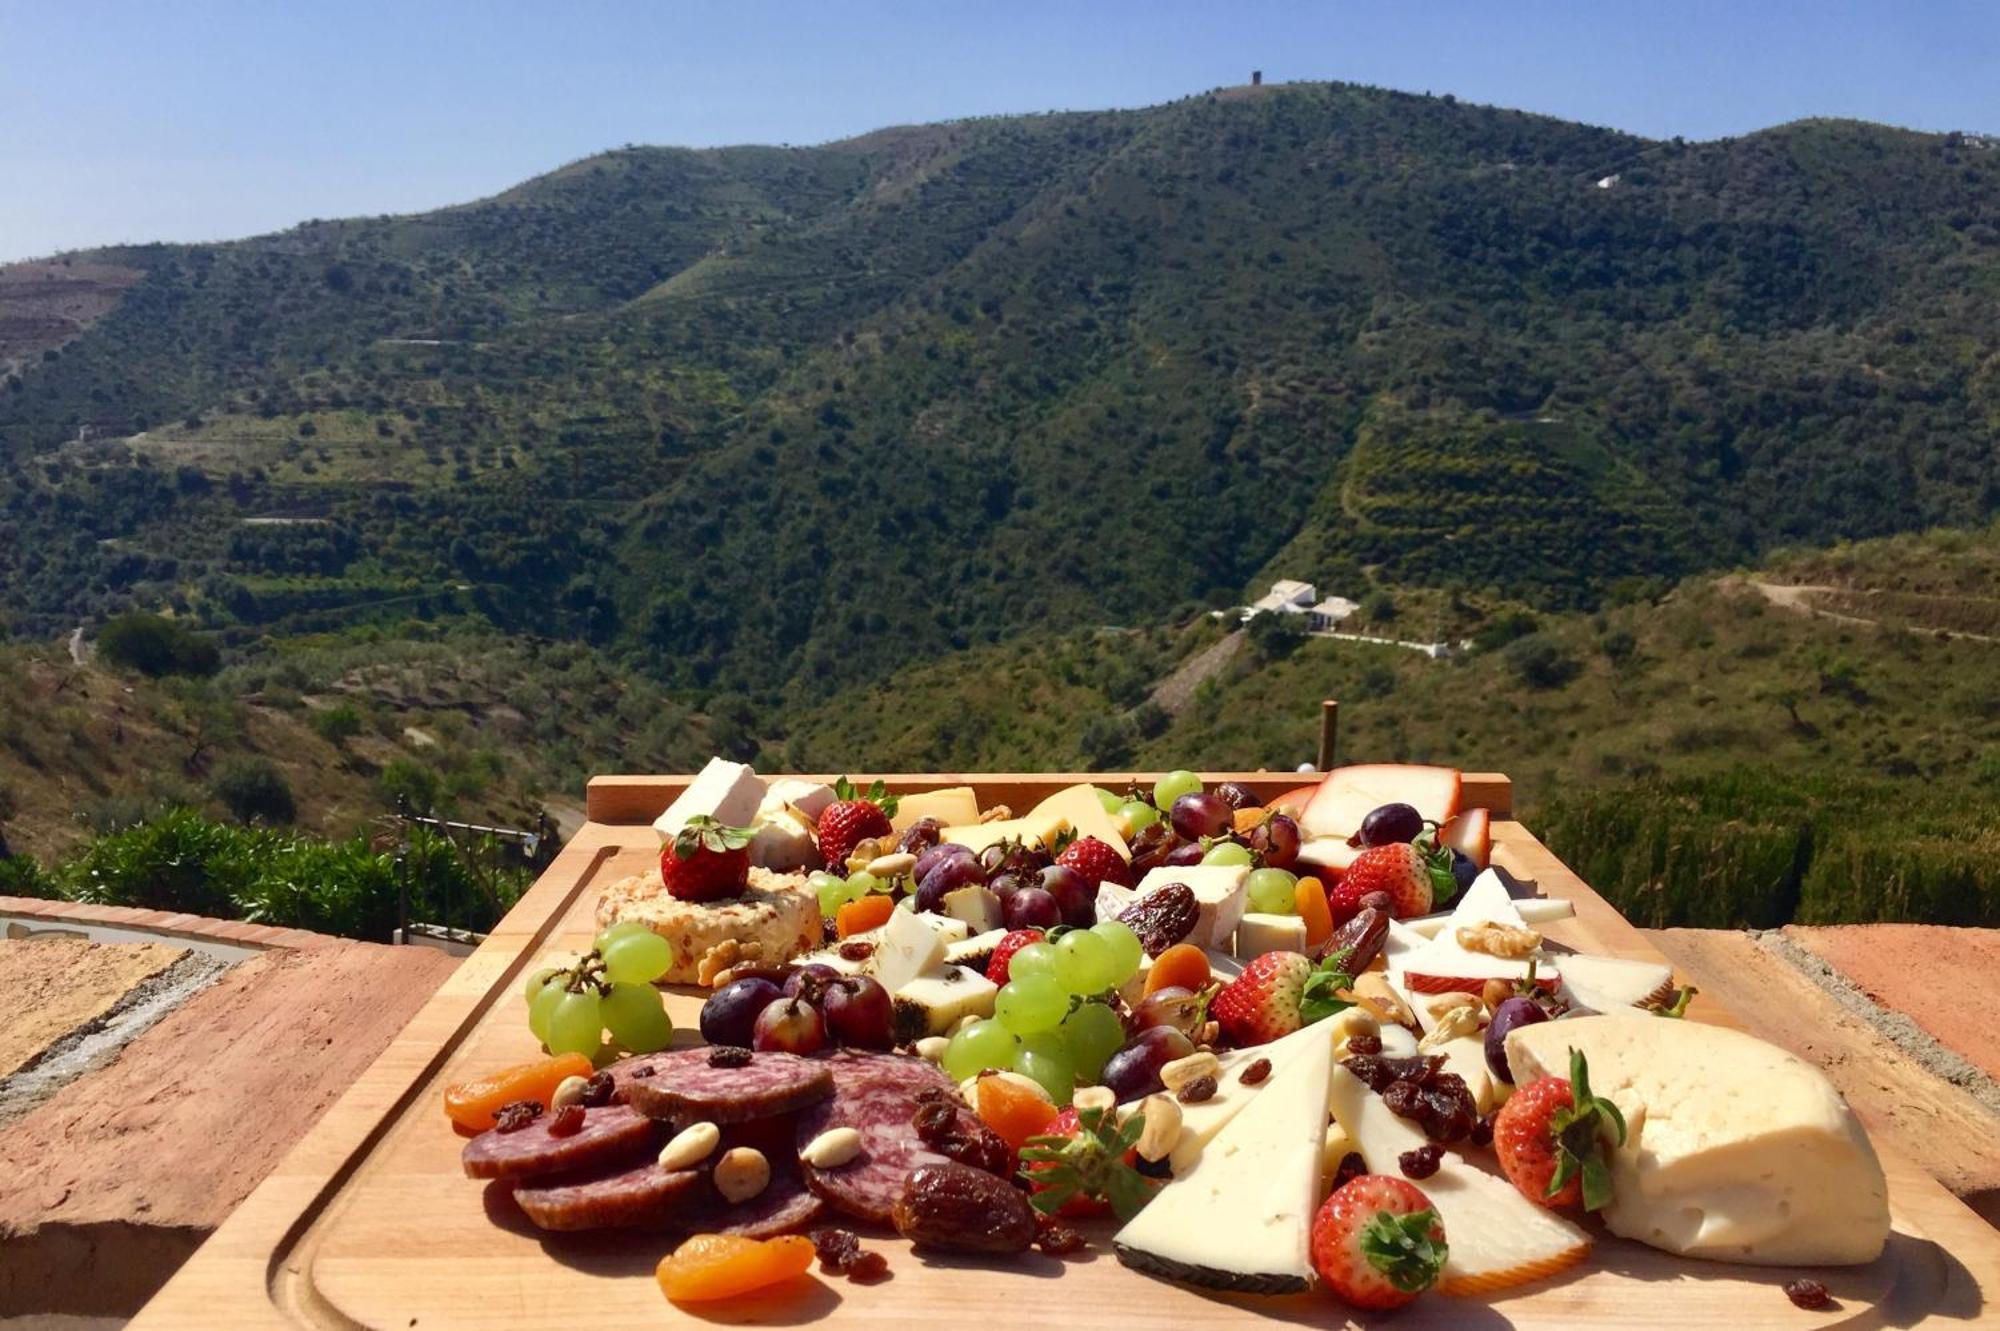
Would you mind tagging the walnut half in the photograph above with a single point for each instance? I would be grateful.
(1499, 940)
(716, 963)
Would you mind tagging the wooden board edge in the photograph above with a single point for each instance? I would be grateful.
(626, 800)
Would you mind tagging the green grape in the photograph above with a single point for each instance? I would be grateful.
(1227, 852)
(541, 1007)
(981, 1045)
(832, 893)
(1043, 1058)
(1034, 959)
(1111, 801)
(1272, 891)
(1126, 949)
(1090, 1035)
(618, 930)
(537, 980)
(636, 1018)
(1084, 962)
(1029, 1004)
(576, 1025)
(1174, 785)
(862, 883)
(1139, 814)
(639, 958)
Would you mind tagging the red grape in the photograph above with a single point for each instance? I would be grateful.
(1390, 824)
(947, 875)
(1072, 893)
(1200, 814)
(730, 1014)
(1277, 840)
(789, 1026)
(809, 978)
(930, 859)
(1183, 855)
(1238, 796)
(859, 1013)
(1032, 908)
(1133, 1073)
(1512, 1014)
(1172, 1006)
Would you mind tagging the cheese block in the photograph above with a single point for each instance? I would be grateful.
(1218, 894)
(1737, 1151)
(1532, 910)
(1241, 1218)
(977, 905)
(1605, 984)
(975, 837)
(1201, 1120)
(1083, 812)
(1331, 853)
(1443, 963)
(725, 791)
(808, 797)
(954, 933)
(781, 839)
(1350, 794)
(1497, 1237)
(909, 946)
(932, 1004)
(776, 916)
(1258, 932)
(975, 951)
(954, 806)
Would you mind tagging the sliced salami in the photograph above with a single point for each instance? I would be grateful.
(643, 1195)
(611, 1135)
(784, 1207)
(683, 1086)
(878, 1095)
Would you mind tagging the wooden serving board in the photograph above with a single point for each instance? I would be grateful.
(369, 1221)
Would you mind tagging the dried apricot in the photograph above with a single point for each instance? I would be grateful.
(721, 1266)
(857, 916)
(1183, 964)
(1246, 820)
(1014, 1112)
(474, 1103)
(1310, 902)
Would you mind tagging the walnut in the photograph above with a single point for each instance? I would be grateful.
(999, 813)
(717, 962)
(1499, 940)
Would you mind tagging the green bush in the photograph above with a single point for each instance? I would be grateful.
(155, 645)
(21, 876)
(1541, 661)
(256, 791)
(336, 724)
(407, 781)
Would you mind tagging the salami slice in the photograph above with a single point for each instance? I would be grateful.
(877, 1095)
(683, 1086)
(643, 1195)
(784, 1207)
(611, 1135)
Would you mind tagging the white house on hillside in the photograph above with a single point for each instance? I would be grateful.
(1292, 598)
(1328, 613)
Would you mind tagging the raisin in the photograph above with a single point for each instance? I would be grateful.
(568, 1121)
(598, 1090)
(934, 1122)
(836, 1249)
(513, 1117)
(1364, 1044)
(1162, 917)
(829, 931)
(856, 949)
(1351, 1167)
(1448, 1111)
(1405, 1099)
(643, 1071)
(1201, 1088)
(729, 1056)
(1482, 1131)
(1808, 1294)
(1254, 1074)
(868, 1267)
(936, 1095)
(1422, 1162)
(979, 1148)
(1058, 1240)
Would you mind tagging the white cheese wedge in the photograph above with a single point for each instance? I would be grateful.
(932, 1004)
(1241, 1218)
(955, 933)
(1218, 895)
(976, 905)
(1331, 853)
(976, 837)
(1532, 910)
(1497, 1237)
(1443, 963)
(725, 791)
(808, 797)
(910, 945)
(1259, 932)
(1080, 809)
(1743, 1153)
(954, 806)
(781, 840)
(975, 951)
(1605, 984)
(1203, 1119)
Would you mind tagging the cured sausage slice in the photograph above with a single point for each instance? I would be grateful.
(784, 1207)
(610, 1135)
(683, 1086)
(878, 1095)
(643, 1195)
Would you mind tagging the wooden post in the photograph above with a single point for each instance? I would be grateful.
(1329, 732)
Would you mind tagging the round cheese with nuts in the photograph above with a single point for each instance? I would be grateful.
(774, 920)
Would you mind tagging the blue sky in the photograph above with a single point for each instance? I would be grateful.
(190, 121)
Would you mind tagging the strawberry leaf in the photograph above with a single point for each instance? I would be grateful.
(1580, 1131)
(843, 789)
(1402, 1249)
(879, 796)
(1320, 997)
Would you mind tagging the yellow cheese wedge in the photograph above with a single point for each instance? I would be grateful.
(1078, 806)
(954, 805)
(1033, 831)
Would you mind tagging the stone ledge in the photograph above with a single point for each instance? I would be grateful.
(165, 923)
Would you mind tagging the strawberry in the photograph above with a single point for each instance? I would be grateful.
(853, 817)
(1279, 992)
(1377, 1242)
(1086, 1164)
(1549, 1137)
(706, 861)
(1096, 861)
(1004, 950)
(1409, 876)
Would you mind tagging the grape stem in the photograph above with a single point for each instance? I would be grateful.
(588, 973)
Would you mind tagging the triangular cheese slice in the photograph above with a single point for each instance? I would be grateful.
(1241, 1219)
(1497, 1237)
(1604, 984)
(1442, 964)
(1078, 806)
(1202, 1120)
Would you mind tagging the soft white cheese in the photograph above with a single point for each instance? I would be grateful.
(1443, 963)
(1604, 984)
(1218, 894)
(808, 797)
(1201, 1120)
(932, 1004)
(1080, 810)
(781, 840)
(1742, 1152)
(725, 791)
(910, 945)
(1259, 932)
(977, 906)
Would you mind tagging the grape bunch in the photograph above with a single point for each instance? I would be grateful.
(1181, 823)
(835, 891)
(608, 992)
(1056, 1020)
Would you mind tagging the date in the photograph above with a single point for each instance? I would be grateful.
(957, 1208)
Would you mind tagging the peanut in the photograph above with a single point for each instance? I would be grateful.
(892, 866)
(832, 1148)
(742, 1173)
(1162, 1130)
(1184, 1070)
(1093, 1097)
(690, 1146)
(932, 1048)
(569, 1091)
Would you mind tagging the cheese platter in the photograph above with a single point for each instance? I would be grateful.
(547, 1141)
